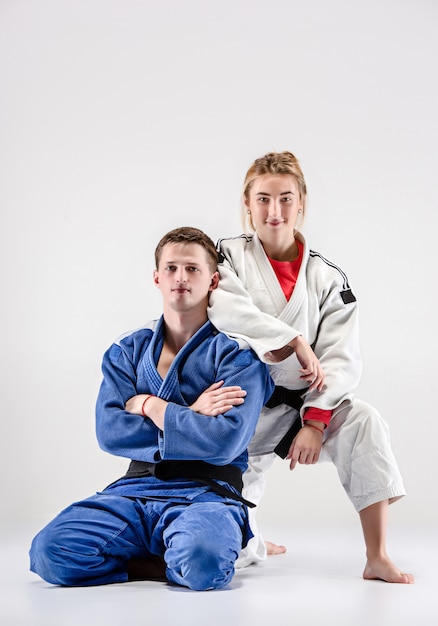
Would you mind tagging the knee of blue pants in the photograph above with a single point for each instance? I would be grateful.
(198, 565)
(59, 562)
(202, 547)
(46, 559)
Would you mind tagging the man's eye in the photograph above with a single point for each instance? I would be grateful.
(192, 269)
(170, 268)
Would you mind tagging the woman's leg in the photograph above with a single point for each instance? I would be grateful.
(357, 442)
(379, 566)
(254, 484)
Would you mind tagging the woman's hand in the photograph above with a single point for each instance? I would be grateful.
(311, 370)
(218, 399)
(306, 447)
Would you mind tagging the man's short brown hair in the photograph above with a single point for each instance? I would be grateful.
(188, 234)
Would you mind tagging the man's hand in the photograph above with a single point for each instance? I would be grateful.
(134, 404)
(213, 401)
(218, 399)
(154, 408)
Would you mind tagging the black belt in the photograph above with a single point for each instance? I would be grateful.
(293, 398)
(199, 471)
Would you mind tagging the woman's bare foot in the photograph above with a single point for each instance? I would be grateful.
(273, 549)
(384, 569)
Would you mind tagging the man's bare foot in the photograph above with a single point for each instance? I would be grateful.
(272, 548)
(384, 569)
(152, 568)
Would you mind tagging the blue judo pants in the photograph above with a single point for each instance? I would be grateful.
(92, 541)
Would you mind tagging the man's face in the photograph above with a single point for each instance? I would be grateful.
(185, 277)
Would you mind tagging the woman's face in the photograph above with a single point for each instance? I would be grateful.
(274, 202)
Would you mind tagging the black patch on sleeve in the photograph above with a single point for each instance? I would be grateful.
(348, 296)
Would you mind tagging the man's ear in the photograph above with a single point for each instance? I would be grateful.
(156, 279)
(214, 281)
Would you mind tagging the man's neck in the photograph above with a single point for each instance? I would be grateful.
(180, 327)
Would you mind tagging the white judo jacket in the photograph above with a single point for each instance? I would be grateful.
(249, 303)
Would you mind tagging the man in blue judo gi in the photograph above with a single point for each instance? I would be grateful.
(181, 400)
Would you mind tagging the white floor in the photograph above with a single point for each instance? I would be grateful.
(318, 581)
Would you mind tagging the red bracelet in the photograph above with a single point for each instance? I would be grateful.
(151, 395)
(312, 426)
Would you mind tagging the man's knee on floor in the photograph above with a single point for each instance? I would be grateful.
(46, 558)
(201, 565)
(52, 562)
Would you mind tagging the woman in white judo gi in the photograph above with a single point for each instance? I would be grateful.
(275, 292)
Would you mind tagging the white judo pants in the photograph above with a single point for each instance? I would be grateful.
(357, 442)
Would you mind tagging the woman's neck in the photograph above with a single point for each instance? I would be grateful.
(279, 251)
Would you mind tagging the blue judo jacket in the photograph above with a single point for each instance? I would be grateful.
(129, 368)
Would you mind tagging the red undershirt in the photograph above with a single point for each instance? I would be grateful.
(287, 274)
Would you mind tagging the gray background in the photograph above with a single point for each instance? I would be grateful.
(121, 119)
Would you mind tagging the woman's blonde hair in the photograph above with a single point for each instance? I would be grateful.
(272, 163)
